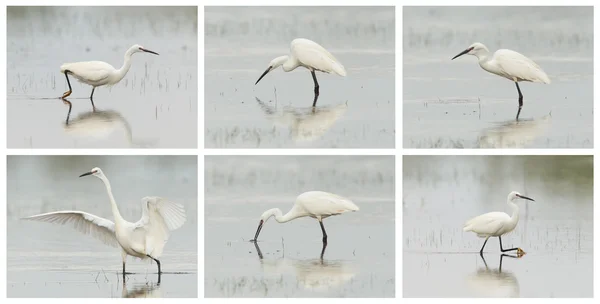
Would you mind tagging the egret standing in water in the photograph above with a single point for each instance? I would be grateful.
(508, 64)
(144, 239)
(308, 54)
(99, 73)
(497, 223)
(316, 204)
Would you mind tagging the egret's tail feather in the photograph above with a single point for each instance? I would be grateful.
(339, 69)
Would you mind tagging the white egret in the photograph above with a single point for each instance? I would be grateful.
(508, 64)
(316, 204)
(143, 239)
(308, 54)
(99, 73)
(497, 223)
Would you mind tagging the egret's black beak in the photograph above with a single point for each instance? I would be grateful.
(86, 174)
(257, 230)
(462, 53)
(148, 51)
(525, 197)
(263, 75)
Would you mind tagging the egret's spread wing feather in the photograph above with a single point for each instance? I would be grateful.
(159, 217)
(487, 224)
(325, 203)
(312, 55)
(89, 71)
(100, 228)
(515, 65)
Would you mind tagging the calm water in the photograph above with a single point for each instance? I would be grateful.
(356, 111)
(287, 261)
(154, 106)
(455, 104)
(441, 193)
(49, 260)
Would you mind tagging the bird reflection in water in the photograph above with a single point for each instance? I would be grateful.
(96, 124)
(514, 134)
(306, 124)
(142, 290)
(315, 274)
(495, 282)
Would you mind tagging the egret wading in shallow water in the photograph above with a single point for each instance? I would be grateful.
(316, 204)
(144, 239)
(508, 64)
(99, 73)
(497, 223)
(308, 54)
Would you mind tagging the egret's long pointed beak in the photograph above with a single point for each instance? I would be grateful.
(462, 53)
(149, 51)
(263, 75)
(258, 231)
(86, 174)
(525, 197)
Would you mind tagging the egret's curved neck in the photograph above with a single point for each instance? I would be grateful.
(113, 203)
(483, 55)
(276, 212)
(514, 218)
(126, 65)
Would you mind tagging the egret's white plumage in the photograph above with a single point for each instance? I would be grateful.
(315, 204)
(509, 64)
(308, 54)
(144, 239)
(496, 223)
(99, 73)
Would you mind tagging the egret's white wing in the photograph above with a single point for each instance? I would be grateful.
(487, 224)
(89, 71)
(513, 64)
(311, 54)
(159, 218)
(100, 228)
(325, 203)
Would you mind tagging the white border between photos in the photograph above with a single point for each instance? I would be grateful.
(398, 152)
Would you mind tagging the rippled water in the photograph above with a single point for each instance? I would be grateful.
(359, 260)
(356, 111)
(556, 231)
(155, 105)
(455, 104)
(48, 260)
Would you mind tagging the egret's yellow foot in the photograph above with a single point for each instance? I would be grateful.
(66, 94)
(520, 252)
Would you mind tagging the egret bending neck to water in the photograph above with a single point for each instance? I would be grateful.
(508, 64)
(316, 204)
(497, 223)
(308, 54)
(144, 239)
(99, 73)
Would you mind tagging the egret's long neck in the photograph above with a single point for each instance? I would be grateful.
(113, 203)
(125, 67)
(514, 218)
(292, 214)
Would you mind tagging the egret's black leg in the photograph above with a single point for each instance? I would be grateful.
(324, 233)
(323, 250)
(316, 83)
(68, 113)
(157, 263)
(505, 250)
(481, 251)
(65, 94)
(484, 262)
(315, 101)
(92, 95)
(520, 100)
(93, 106)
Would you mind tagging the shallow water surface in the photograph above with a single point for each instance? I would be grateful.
(52, 260)
(154, 106)
(455, 104)
(556, 231)
(289, 259)
(356, 111)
